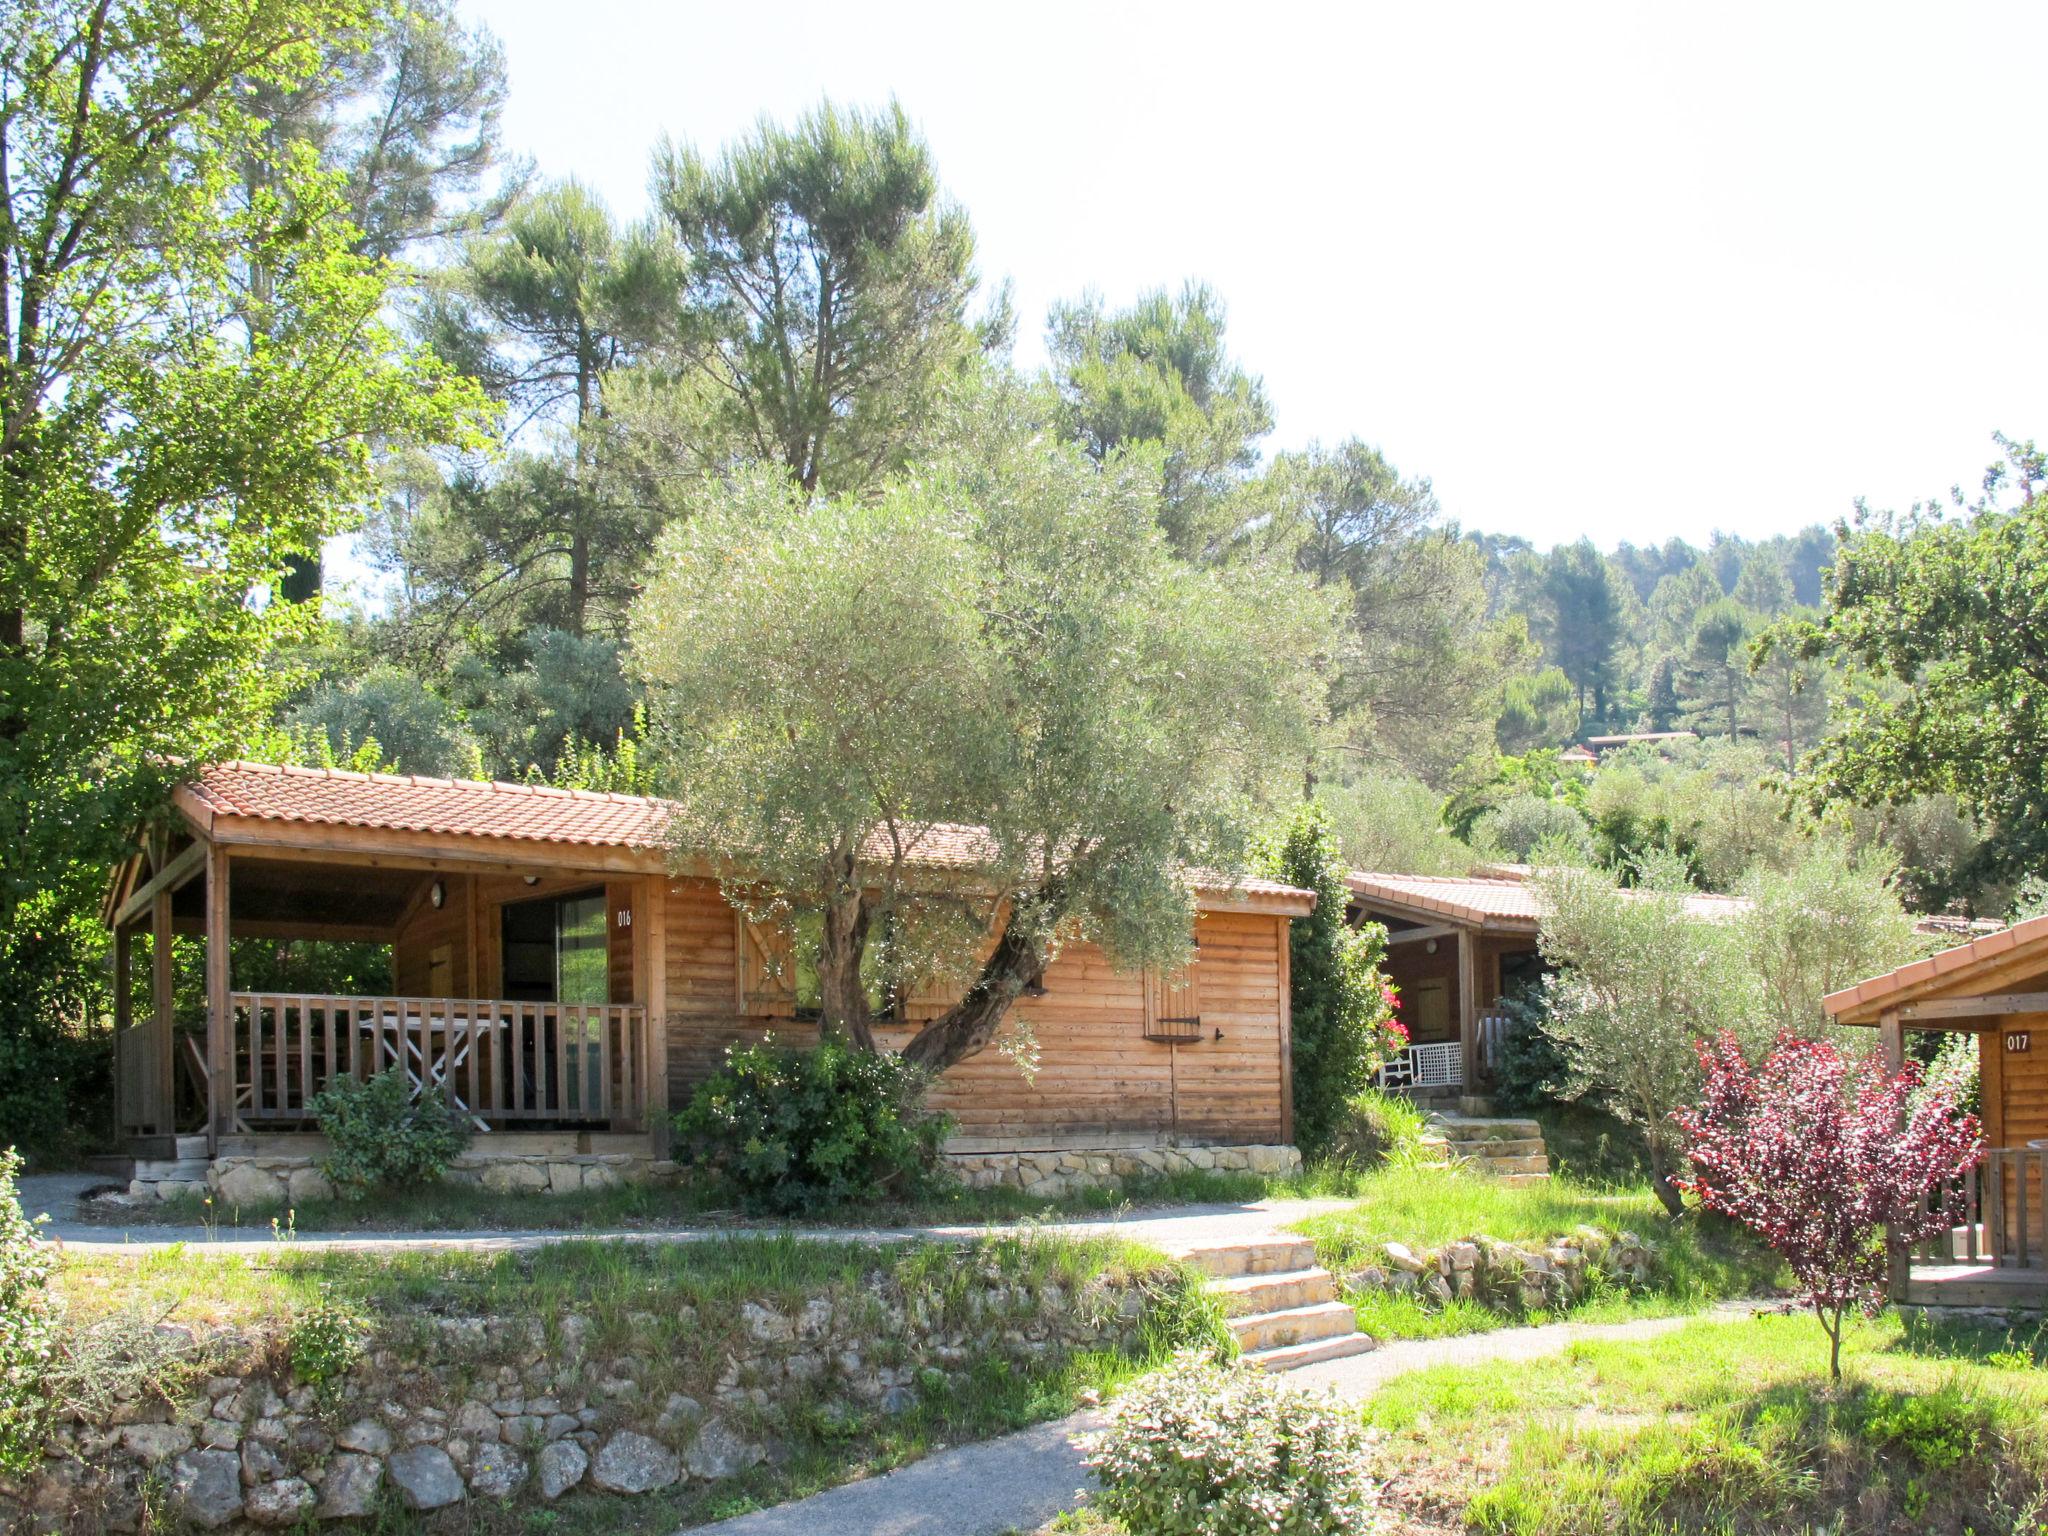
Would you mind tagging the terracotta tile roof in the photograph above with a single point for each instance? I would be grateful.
(463, 807)
(533, 812)
(1945, 963)
(1508, 902)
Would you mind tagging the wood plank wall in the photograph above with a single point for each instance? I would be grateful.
(427, 928)
(1096, 1072)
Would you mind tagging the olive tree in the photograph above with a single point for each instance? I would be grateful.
(1639, 984)
(1000, 641)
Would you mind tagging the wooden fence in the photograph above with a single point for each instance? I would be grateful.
(1997, 1213)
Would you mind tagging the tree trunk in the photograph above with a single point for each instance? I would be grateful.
(1017, 963)
(1660, 1180)
(842, 1000)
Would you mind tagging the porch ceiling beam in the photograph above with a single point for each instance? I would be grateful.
(176, 873)
(491, 858)
(1990, 1005)
(287, 928)
(1411, 935)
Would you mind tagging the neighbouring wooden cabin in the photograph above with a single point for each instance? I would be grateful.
(1994, 988)
(564, 986)
(1456, 945)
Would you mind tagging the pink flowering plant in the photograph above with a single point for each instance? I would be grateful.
(1826, 1155)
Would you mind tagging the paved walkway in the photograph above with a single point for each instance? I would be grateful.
(1165, 1227)
(1020, 1481)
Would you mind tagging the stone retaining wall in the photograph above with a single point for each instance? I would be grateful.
(1510, 1277)
(439, 1409)
(289, 1178)
(1053, 1172)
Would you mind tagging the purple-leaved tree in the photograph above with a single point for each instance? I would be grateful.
(1823, 1154)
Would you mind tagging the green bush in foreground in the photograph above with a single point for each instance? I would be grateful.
(1202, 1449)
(380, 1137)
(27, 1326)
(794, 1130)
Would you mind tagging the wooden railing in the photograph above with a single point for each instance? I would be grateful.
(501, 1064)
(1997, 1213)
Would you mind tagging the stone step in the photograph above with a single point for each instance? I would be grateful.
(1243, 1294)
(184, 1170)
(1486, 1151)
(1488, 1130)
(1249, 1256)
(1285, 1357)
(1524, 1178)
(1293, 1325)
(1537, 1164)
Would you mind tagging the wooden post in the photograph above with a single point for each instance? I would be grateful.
(1468, 1005)
(1286, 962)
(650, 958)
(162, 1005)
(220, 1043)
(1891, 1033)
(124, 1020)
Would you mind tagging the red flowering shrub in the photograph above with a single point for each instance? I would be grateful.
(1823, 1154)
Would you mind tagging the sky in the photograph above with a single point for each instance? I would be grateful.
(1626, 272)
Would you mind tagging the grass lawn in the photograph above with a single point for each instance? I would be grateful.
(676, 1308)
(1699, 1260)
(1730, 1428)
(459, 1208)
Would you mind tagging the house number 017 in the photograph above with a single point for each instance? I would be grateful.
(2019, 1042)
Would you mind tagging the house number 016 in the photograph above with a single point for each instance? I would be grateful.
(625, 917)
(2020, 1042)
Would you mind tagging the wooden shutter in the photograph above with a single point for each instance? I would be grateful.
(1173, 1003)
(767, 970)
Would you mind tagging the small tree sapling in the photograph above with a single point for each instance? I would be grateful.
(1826, 1155)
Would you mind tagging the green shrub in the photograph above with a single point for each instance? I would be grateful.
(380, 1137)
(1529, 1068)
(1201, 1449)
(795, 1130)
(325, 1343)
(28, 1326)
(1376, 1129)
(1343, 1022)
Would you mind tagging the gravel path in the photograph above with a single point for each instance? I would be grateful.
(1020, 1481)
(1167, 1227)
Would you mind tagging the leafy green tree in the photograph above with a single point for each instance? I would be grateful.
(161, 456)
(1585, 620)
(408, 110)
(1829, 919)
(1339, 997)
(1421, 664)
(1789, 693)
(1160, 372)
(169, 440)
(1763, 587)
(1003, 640)
(1955, 609)
(1639, 985)
(826, 304)
(1661, 705)
(1715, 681)
(1537, 710)
(1676, 604)
(542, 313)
(1392, 824)
(414, 730)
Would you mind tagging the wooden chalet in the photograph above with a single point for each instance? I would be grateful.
(1456, 945)
(553, 974)
(1995, 988)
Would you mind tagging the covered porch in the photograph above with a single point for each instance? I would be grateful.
(1994, 990)
(519, 990)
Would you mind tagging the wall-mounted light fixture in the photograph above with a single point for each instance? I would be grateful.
(532, 879)
(1429, 946)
